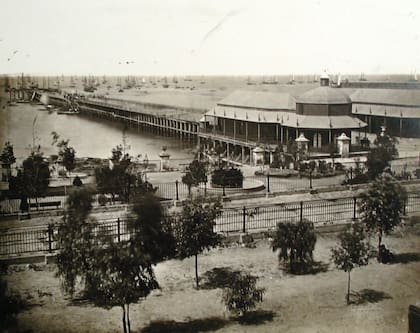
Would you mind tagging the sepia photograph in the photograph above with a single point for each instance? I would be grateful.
(181, 166)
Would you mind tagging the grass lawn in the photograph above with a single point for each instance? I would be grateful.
(305, 303)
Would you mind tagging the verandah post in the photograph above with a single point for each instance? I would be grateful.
(244, 220)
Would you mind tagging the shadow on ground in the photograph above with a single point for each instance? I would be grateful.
(405, 258)
(192, 326)
(368, 296)
(218, 277)
(316, 267)
(306, 268)
(207, 324)
(257, 317)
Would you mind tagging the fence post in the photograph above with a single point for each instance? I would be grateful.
(351, 173)
(244, 220)
(50, 236)
(268, 182)
(119, 229)
(176, 187)
(354, 208)
(405, 203)
(301, 211)
(224, 192)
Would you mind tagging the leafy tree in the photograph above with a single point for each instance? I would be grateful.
(242, 293)
(153, 231)
(382, 206)
(10, 305)
(296, 243)
(111, 274)
(74, 239)
(120, 177)
(278, 158)
(380, 156)
(352, 252)
(196, 174)
(7, 156)
(68, 156)
(67, 153)
(195, 230)
(33, 180)
(121, 274)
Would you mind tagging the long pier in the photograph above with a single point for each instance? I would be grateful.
(155, 118)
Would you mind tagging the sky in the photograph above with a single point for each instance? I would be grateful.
(209, 37)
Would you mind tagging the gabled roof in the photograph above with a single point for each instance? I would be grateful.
(259, 100)
(407, 97)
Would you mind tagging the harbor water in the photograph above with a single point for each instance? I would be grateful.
(24, 124)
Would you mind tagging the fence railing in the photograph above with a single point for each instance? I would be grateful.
(177, 190)
(232, 220)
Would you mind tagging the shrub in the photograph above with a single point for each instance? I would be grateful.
(102, 200)
(242, 294)
(227, 177)
(295, 242)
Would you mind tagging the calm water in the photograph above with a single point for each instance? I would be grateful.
(91, 137)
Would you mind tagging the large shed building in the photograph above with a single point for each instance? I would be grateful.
(245, 120)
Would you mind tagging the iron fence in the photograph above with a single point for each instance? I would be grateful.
(42, 239)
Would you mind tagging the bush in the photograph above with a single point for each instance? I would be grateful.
(232, 178)
(77, 181)
(102, 200)
(296, 243)
(242, 293)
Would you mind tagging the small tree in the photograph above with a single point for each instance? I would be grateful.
(7, 155)
(153, 231)
(121, 274)
(10, 305)
(120, 177)
(381, 155)
(195, 230)
(352, 252)
(196, 174)
(111, 274)
(242, 294)
(67, 153)
(382, 206)
(35, 175)
(296, 243)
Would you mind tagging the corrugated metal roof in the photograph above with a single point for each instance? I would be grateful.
(387, 96)
(289, 119)
(260, 100)
(324, 95)
(386, 111)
